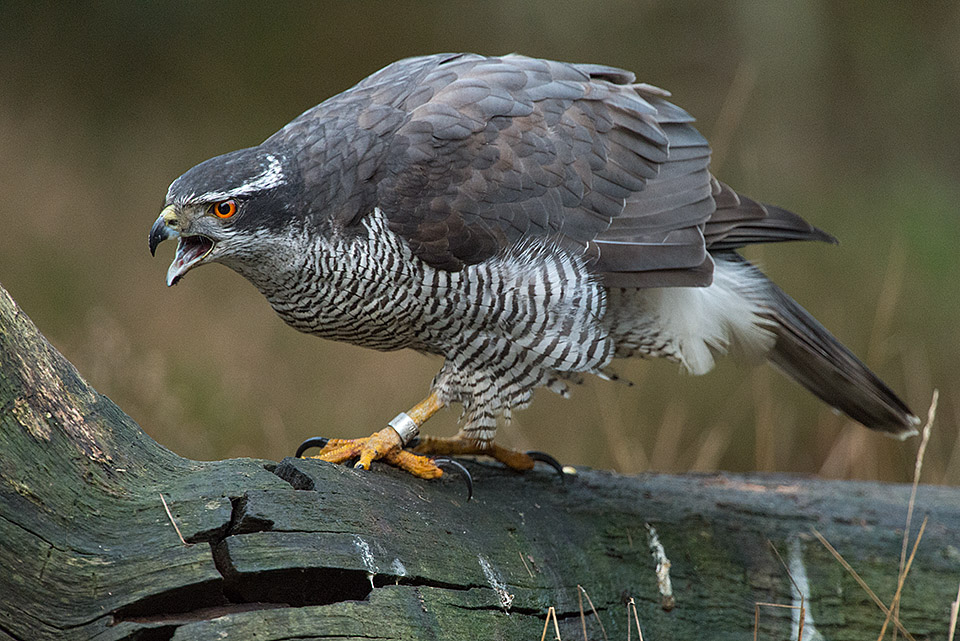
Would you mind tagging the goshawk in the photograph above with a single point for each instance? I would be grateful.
(527, 220)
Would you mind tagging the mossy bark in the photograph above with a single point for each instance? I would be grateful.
(307, 550)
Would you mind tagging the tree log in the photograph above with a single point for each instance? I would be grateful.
(307, 550)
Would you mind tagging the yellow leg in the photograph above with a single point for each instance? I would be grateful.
(425, 409)
(435, 446)
(386, 445)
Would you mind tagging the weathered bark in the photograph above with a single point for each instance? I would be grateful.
(308, 550)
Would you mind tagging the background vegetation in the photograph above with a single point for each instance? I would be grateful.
(844, 112)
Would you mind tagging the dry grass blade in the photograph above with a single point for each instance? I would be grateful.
(894, 609)
(525, 566)
(858, 579)
(173, 521)
(731, 112)
(803, 610)
(583, 619)
(921, 451)
(891, 287)
(632, 605)
(756, 615)
(918, 465)
(583, 622)
(954, 608)
(628, 454)
(756, 620)
(551, 614)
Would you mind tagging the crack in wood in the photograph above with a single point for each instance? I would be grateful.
(178, 601)
(46, 561)
(9, 633)
(31, 533)
(242, 522)
(300, 587)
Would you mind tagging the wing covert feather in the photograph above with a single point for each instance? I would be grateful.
(468, 155)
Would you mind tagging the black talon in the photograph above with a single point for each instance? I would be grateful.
(441, 461)
(543, 457)
(313, 441)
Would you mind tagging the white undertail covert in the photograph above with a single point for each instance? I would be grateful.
(692, 323)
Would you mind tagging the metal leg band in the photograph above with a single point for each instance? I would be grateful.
(405, 427)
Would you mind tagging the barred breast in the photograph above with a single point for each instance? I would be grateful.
(527, 318)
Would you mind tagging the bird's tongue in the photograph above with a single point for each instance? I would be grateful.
(190, 251)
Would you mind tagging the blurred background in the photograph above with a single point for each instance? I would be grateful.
(846, 113)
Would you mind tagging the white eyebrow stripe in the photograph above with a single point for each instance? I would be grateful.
(271, 177)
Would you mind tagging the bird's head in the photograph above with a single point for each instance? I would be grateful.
(221, 208)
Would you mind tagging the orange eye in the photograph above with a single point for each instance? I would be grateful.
(224, 208)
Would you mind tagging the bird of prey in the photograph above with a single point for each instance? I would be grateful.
(527, 220)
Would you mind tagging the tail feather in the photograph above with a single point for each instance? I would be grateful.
(810, 354)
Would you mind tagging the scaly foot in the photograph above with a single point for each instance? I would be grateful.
(387, 445)
(384, 445)
(457, 446)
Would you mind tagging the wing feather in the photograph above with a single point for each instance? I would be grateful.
(467, 155)
(740, 221)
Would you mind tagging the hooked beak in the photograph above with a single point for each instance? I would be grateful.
(191, 249)
(161, 229)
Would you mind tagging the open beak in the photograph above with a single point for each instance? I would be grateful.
(191, 249)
